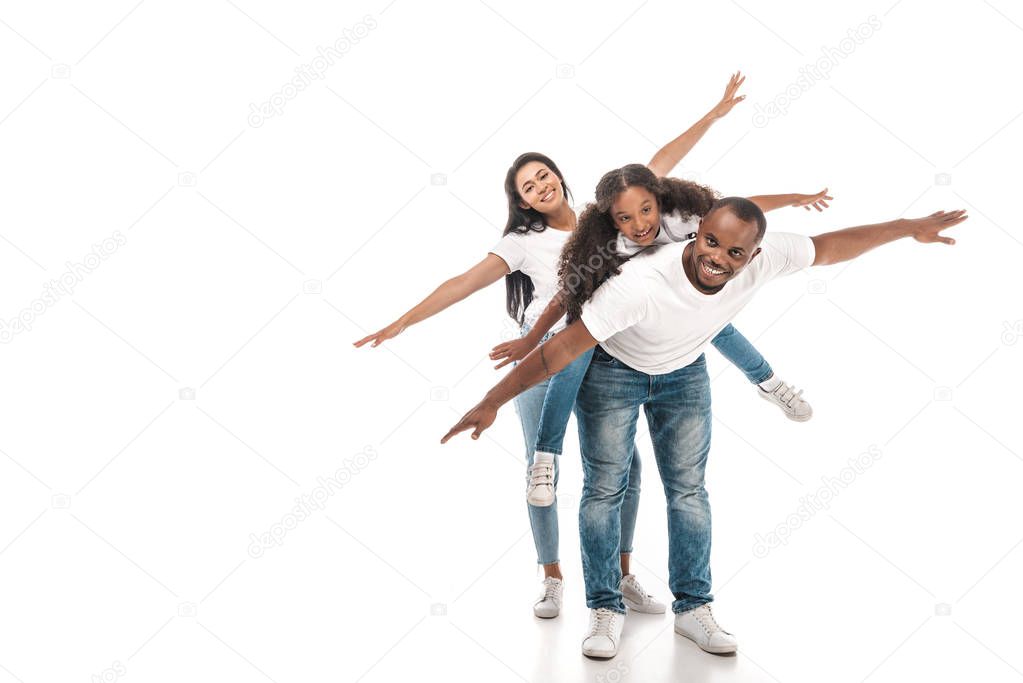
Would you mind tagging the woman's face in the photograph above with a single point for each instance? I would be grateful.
(539, 188)
(636, 215)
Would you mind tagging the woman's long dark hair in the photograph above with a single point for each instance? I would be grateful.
(591, 255)
(518, 286)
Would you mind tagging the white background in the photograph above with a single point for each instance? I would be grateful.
(128, 510)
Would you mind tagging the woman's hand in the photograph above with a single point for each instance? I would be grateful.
(512, 351)
(380, 336)
(729, 99)
(818, 201)
(477, 419)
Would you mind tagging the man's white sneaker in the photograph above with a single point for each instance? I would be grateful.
(699, 626)
(789, 400)
(540, 490)
(549, 604)
(604, 634)
(637, 599)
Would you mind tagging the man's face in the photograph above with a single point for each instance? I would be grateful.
(724, 246)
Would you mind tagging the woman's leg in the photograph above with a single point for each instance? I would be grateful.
(742, 354)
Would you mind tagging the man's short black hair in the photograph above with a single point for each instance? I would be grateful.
(744, 210)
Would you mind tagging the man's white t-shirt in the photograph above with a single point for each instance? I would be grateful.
(654, 320)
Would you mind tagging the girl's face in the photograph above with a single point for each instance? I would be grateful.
(539, 188)
(636, 215)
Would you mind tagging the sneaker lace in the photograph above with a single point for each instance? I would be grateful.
(706, 618)
(550, 590)
(603, 620)
(541, 474)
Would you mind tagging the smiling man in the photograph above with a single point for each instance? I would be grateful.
(653, 322)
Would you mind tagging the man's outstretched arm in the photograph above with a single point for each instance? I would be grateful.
(542, 362)
(845, 245)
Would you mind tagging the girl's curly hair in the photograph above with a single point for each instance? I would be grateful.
(591, 256)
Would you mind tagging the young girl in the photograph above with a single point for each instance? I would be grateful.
(540, 221)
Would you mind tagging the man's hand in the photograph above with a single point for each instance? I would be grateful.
(818, 201)
(511, 351)
(729, 99)
(380, 336)
(477, 419)
(929, 229)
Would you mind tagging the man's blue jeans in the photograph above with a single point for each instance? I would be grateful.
(677, 407)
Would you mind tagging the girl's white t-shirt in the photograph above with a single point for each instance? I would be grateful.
(673, 228)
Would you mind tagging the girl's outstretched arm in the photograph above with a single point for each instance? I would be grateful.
(668, 156)
(770, 202)
(486, 272)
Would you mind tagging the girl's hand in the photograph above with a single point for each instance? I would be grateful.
(818, 201)
(380, 336)
(729, 99)
(512, 351)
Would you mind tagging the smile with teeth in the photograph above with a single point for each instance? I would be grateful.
(712, 272)
(641, 235)
(547, 197)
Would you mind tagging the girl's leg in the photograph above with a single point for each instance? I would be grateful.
(742, 354)
(542, 520)
(558, 404)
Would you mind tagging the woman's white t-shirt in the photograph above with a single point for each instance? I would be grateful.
(537, 254)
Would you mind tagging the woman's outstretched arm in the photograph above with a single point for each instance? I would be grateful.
(668, 156)
(484, 273)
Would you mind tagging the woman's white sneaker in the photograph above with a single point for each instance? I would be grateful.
(549, 604)
(637, 599)
(540, 490)
(604, 634)
(699, 626)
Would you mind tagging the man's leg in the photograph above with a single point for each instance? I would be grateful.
(607, 409)
(679, 417)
